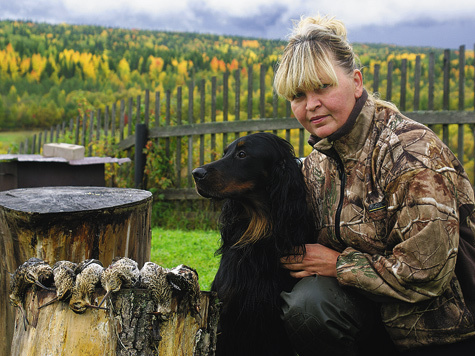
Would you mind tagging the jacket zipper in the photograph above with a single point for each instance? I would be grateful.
(341, 171)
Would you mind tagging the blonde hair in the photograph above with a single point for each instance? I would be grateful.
(314, 45)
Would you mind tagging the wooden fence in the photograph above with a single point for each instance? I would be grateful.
(194, 123)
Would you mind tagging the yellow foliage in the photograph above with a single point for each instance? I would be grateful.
(25, 65)
(251, 56)
(250, 43)
(38, 63)
(214, 64)
(233, 65)
(182, 68)
(156, 64)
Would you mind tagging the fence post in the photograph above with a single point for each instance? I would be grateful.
(141, 134)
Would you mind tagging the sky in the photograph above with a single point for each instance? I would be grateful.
(434, 23)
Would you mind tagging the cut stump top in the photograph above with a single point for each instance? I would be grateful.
(70, 199)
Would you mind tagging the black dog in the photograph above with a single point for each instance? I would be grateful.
(264, 217)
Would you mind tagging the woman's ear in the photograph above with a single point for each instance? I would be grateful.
(358, 81)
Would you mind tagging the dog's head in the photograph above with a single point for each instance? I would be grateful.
(248, 166)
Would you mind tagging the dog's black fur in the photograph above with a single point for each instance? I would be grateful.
(264, 217)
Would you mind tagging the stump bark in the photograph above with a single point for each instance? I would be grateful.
(127, 328)
(68, 223)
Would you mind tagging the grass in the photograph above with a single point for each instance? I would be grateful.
(10, 140)
(195, 249)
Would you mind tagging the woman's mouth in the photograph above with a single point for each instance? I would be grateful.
(317, 119)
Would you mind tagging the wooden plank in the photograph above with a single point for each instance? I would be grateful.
(106, 121)
(179, 194)
(430, 104)
(191, 87)
(225, 103)
(167, 121)
(389, 85)
(237, 101)
(424, 117)
(461, 100)
(202, 120)
(417, 83)
(213, 117)
(403, 89)
(130, 116)
(262, 90)
(460, 143)
(147, 107)
(138, 115)
(178, 144)
(76, 135)
(113, 121)
(275, 106)
(442, 117)
(98, 126)
(446, 88)
(157, 109)
(377, 67)
(91, 129)
(121, 119)
(301, 142)
(84, 129)
(229, 126)
(250, 91)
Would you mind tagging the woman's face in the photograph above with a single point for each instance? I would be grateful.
(324, 110)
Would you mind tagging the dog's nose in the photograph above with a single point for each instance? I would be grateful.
(199, 173)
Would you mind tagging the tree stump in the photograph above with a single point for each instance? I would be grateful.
(68, 223)
(126, 329)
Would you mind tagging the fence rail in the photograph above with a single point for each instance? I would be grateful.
(194, 123)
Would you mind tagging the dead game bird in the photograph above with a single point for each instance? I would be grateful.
(123, 272)
(64, 280)
(154, 278)
(39, 272)
(34, 271)
(185, 280)
(88, 276)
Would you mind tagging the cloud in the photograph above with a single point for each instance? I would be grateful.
(255, 18)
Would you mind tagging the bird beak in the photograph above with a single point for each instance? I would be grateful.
(103, 299)
(39, 284)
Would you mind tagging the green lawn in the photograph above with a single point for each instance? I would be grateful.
(195, 249)
(9, 139)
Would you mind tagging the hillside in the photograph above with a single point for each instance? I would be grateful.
(49, 73)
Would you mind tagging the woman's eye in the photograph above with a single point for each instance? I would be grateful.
(241, 154)
(299, 95)
(324, 86)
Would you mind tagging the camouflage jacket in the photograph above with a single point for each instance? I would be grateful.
(394, 200)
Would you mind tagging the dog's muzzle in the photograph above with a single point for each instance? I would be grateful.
(199, 173)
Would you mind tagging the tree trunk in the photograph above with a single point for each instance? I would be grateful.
(127, 328)
(68, 223)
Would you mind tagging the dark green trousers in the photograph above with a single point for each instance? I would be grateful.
(323, 318)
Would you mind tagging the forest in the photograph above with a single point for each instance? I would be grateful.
(51, 73)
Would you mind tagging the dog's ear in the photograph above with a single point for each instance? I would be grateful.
(285, 178)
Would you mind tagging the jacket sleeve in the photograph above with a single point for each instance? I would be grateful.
(424, 218)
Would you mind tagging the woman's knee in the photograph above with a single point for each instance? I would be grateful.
(318, 312)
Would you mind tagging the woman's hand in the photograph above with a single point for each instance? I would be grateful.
(318, 259)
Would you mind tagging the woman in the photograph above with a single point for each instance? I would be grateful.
(394, 209)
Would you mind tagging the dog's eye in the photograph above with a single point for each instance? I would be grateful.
(241, 154)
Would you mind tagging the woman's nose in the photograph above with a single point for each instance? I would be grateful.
(313, 101)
